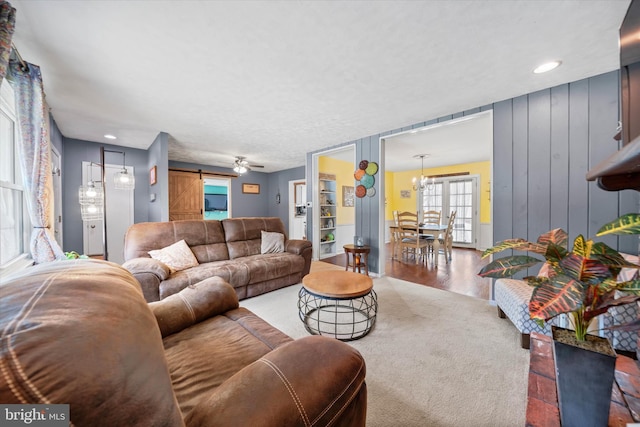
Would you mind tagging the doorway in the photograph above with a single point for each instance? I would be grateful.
(454, 150)
(332, 181)
(298, 209)
(460, 195)
(119, 210)
(57, 195)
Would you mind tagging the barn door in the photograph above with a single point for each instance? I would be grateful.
(185, 195)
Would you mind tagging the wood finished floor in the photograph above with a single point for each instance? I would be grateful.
(459, 276)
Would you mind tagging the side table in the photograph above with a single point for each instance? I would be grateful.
(359, 257)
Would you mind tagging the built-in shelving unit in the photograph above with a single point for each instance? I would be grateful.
(328, 219)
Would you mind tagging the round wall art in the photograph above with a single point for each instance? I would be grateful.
(364, 174)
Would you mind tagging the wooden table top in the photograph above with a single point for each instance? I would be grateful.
(357, 249)
(337, 284)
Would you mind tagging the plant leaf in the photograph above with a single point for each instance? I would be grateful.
(507, 266)
(506, 244)
(586, 270)
(626, 224)
(632, 286)
(556, 236)
(581, 247)
(561, 294)
(555, 253)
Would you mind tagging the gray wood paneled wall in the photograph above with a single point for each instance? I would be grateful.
(543, 145)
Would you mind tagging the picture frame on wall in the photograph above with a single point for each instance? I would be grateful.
(348, 196)
(405, 194)
(153, 175)
(250, 188)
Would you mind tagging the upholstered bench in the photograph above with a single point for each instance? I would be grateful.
(512, 298)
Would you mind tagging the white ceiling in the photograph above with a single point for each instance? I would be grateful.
(274, 80)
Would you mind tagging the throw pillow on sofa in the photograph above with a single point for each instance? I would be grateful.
(177, 256)
(272, 243)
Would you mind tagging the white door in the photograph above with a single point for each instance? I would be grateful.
(119, 213)
(57, 195)
(458, 194)
(297, 209)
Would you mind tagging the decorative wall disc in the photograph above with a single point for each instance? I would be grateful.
(359, 174)
(367, 181)
(363, 164)
(372, 168)
(371, 192)
(361, 191)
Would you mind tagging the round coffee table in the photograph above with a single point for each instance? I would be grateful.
(340, 304)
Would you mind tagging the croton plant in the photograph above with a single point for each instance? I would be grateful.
(580, 281)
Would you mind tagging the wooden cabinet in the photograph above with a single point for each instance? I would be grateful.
(328, 217)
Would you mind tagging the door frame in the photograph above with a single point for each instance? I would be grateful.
(383, 169)
(56, 171)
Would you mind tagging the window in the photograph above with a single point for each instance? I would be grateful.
(15, 225)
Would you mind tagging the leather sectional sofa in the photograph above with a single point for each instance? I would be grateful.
(80, 332)
(230, 249)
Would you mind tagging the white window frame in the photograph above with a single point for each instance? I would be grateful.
(7, 106)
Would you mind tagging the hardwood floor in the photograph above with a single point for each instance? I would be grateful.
(459, 276)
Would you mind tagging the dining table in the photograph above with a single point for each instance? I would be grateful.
(435, 229)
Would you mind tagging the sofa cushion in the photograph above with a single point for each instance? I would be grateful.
(239, 272)
(240, 339)
(79, 332)
(205, 238)
(194, 304)
(244, 235)
(177, 256)
(272, 243)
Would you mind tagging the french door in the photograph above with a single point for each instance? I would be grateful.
(459, 194)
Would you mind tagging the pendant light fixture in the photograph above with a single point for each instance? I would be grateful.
(423, 183)
(123, 180)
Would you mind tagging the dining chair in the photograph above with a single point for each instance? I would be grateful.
(409, 236)
(445, 240)
(430, 217)
(395, 235)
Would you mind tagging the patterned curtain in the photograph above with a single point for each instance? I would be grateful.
(35, 158)
(7, 26)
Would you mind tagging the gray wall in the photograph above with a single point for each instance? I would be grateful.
(544, 143)
(242, 205)
(279, 182)
(55, 135)
(74, 153)
(159, 157)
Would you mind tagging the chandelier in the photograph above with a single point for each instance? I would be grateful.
(423, 183)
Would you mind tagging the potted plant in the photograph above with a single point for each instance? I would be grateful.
(581, 282)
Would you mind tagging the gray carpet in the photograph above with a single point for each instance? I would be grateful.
(434, 358)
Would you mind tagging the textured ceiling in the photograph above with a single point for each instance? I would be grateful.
(274, 80)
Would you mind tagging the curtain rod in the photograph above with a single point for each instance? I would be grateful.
(23, 64)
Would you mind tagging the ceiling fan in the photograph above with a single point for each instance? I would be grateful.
(241, 165)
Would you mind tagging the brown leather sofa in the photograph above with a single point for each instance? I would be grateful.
(79, 332)
(229, 249)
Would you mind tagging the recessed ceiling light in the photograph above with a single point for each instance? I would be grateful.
(109, 136)
(547, 67)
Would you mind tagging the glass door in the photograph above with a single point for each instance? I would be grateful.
(455, 194)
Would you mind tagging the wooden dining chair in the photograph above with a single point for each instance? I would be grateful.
(445, 240)
(409, 236)
(430, 217)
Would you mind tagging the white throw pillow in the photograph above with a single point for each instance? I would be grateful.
(272, 243)
(177, 256)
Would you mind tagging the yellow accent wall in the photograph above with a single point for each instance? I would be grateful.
(344, 177)
(399, 181)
